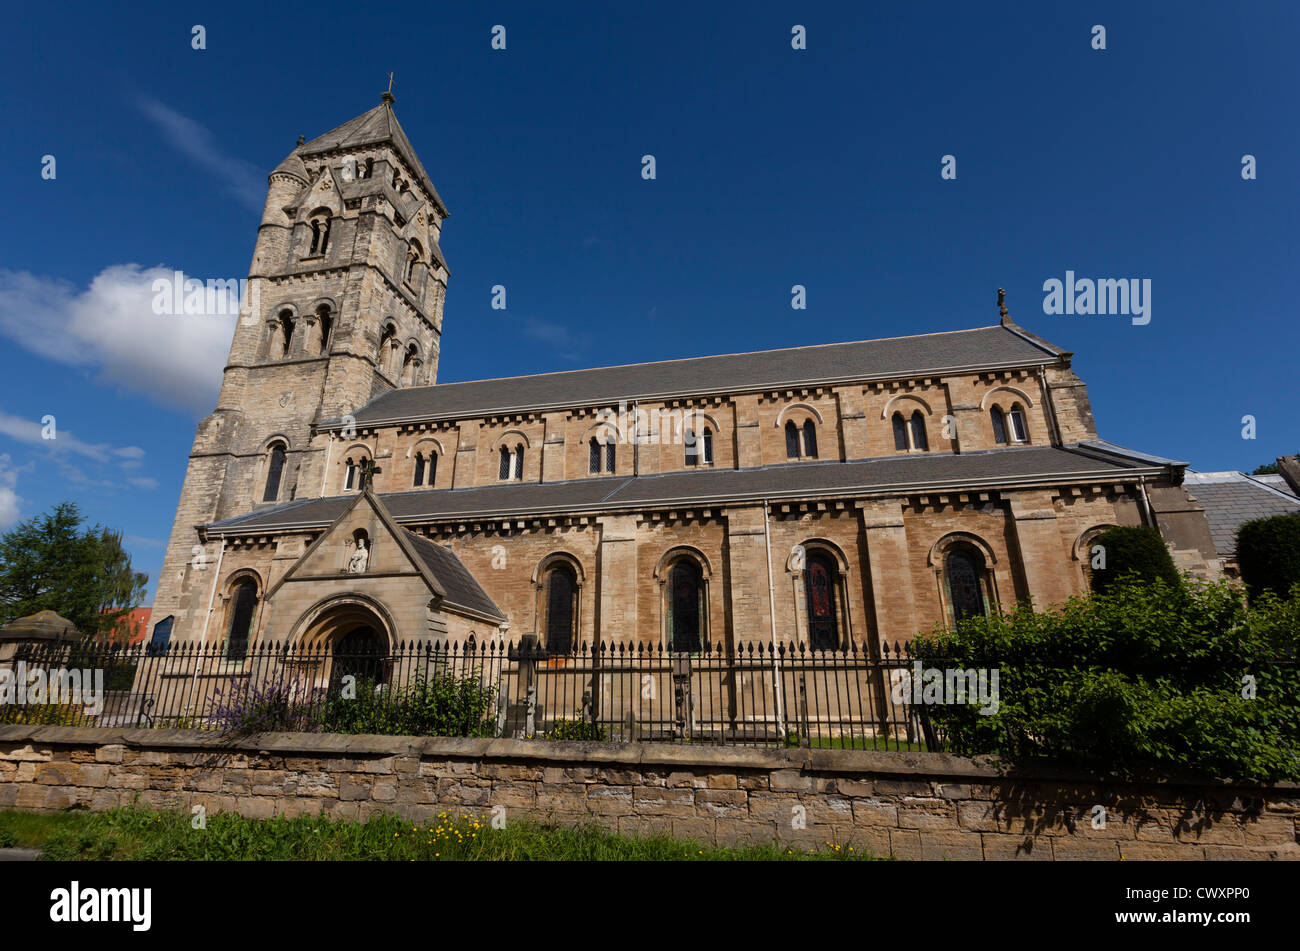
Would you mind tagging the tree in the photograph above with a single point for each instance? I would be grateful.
(1144, 680)
(1268, 553)
(1269, 469)
(1133, 549)
(50, 562)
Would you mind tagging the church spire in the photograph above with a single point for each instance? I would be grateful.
(1004, 317)
(376, 127)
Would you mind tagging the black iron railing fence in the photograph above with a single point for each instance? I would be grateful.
(762, 695)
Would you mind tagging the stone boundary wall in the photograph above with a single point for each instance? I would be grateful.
(910, 805)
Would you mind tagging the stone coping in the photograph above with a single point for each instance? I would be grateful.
(933, 766)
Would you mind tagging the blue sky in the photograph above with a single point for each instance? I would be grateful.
(775, 167)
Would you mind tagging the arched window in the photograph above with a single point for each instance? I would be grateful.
(1085, 554)
(326, 327)
(385, 346)
(285, 336)
(820, 586)
(601, 454)
(699, 448)
(685, 606)
(162, 636)
(370, 167)
(561, 590)
(412, 259)
(1019, 432)
(320, 231)
(999, 424)
(801, 441)
(919, 440)
(431, 473)
(349, 474)
(900, 433)
(409, 362)
(419, 470)
(243, 602)
(809, 439)
(274, 470)
(964, 571)
(512, 463)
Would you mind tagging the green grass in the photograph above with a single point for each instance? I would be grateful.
(28, 830)
(139, 834)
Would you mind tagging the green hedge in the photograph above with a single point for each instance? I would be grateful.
(1268, 553)
(1149, 678)
(1131, 550)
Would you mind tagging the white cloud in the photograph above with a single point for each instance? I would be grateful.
(143, 482)
(111, 327)
(10, 502)
(31, 432)
(556, 335)
(195, 141)
(142, 541)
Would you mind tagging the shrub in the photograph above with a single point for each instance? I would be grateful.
(575, 730)
(243, 708)
(44, 714)
(364, 713)
(1133, 550)
(1268, 552)
(437, 705)
(1147, 677)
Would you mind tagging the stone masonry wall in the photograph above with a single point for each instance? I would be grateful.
(914, 806)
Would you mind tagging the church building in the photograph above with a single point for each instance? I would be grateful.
(850, 493)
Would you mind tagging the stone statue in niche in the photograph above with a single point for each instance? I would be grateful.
(360, 558)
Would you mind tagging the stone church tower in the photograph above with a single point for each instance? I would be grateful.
(344, 303)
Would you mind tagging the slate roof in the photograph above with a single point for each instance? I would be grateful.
(1232, 498)
(931, 472)
(461, 588)
(895, 357)
(377, 126)
(293, 165)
